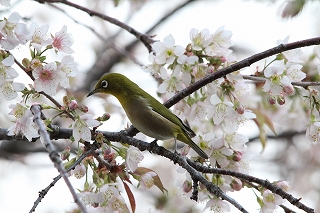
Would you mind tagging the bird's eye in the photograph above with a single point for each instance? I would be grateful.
(104, 83)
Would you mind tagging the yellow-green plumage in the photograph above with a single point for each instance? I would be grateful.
(146, 113)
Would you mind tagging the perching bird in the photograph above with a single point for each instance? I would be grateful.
(146, 114)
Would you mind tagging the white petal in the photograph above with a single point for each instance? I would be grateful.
(169, 41)
(163, 87)
(8, 62)
(183, 58)
(179, 50)
(14, 17)
(18, 86)
(215, 99)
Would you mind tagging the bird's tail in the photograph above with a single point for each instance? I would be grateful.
(198, 150)
(186, 139)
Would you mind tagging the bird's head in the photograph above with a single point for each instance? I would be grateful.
(113, 83)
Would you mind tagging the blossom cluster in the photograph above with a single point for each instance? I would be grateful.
(270, 201)
(216, 110)
(106, 193)
(281, 73)
(109, 185)
(47, 76)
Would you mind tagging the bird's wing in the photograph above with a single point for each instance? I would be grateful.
(165, 112)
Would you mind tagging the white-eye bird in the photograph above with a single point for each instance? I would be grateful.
(146, 113)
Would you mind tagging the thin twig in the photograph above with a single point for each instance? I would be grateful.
(110, 41)
(159, 150)
(261, 80)
(44, 191)
(265, 183)
(53, 154)
(237, 66)
(145, 39)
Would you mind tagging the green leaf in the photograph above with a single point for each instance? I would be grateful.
(42, 58)
(260, 120)
(264, 119)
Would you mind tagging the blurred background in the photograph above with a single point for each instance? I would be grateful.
(101, 47)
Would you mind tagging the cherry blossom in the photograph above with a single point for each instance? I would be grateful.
(220, 109)
(205, 142)
(171, 83)
(62, 41)
(166, 51)
(38, 36)
(9, 89)
(198, 111)
(12, 33)
(81, 128)
(68, 67)
(200, 40)
(79, 171)
(24, 124)
(236, 141)
(271, 200)
(6, 71)
(221, 41)
(88, 198)
(313, 132)
(274, 74)
(47, 78)
(109, 191)
(220, 154)
(284, 185)
(217, 205)
(133, 158)
(146, 180)
(294, 73)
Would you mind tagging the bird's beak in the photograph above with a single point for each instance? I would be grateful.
(91, 93)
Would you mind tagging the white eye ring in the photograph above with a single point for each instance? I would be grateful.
(104, 84)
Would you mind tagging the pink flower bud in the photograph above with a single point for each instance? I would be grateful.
(236, 184)
(185, 150)
(237, 156)
(288, 89)
(110, 157)
(65, 154)
(83, 108)
(104, 117)
(281, 100)
(240, 109)
(272, 100)
(107, 151)
(284, 185)
(73, 105)
(187, 186)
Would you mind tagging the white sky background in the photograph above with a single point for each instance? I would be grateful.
(255, 26)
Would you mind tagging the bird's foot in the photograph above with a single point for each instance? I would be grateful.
(154, 143)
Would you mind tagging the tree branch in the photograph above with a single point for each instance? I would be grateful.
(53, 154)
(265, 183)
(145, 39)
(44, 191)
(237, 66)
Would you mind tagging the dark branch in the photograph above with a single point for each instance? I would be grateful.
(239, 65)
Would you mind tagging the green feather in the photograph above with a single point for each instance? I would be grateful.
(145, 112)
